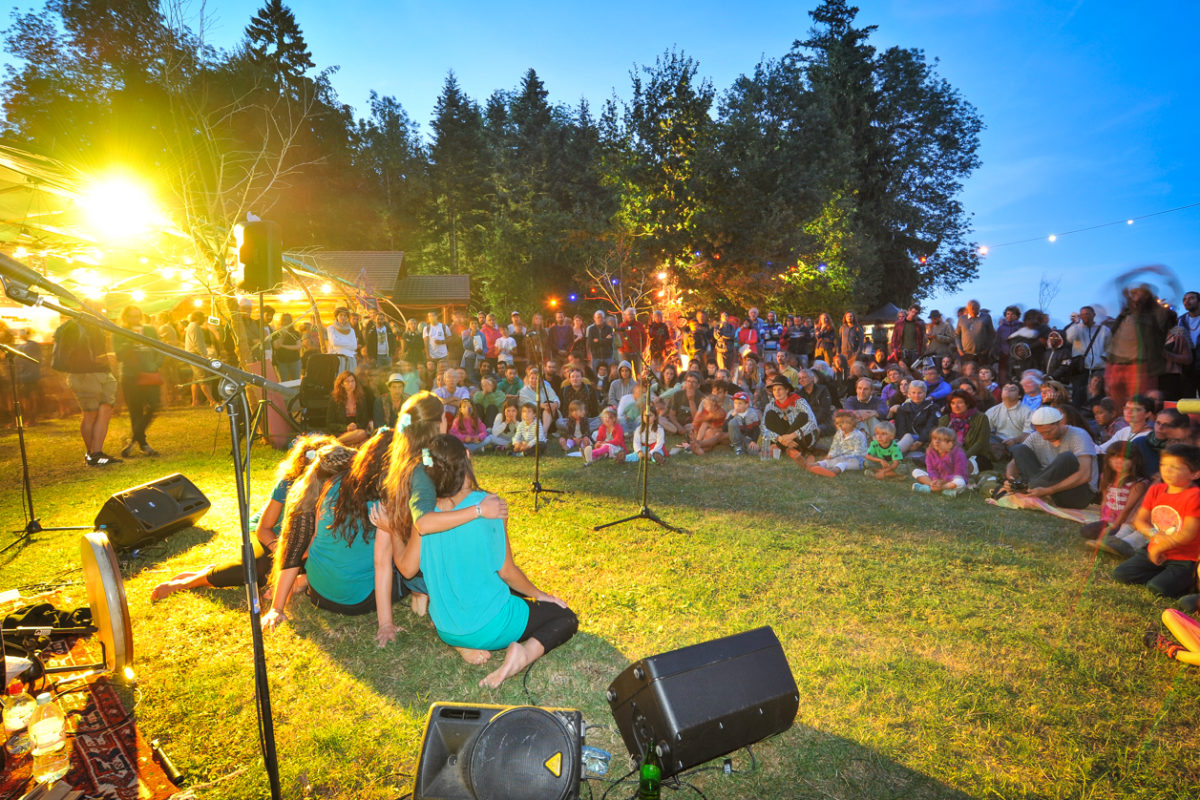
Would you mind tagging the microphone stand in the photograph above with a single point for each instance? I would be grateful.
(644, 465)
(233, 383)
(537, 487)
(32, 525)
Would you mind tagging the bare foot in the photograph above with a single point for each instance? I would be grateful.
(184, 580)
(472, 656)
(420, 604)
(517, 657)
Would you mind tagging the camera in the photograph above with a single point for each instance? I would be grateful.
(1018, 485)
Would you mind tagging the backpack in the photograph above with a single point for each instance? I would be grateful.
(72, 349)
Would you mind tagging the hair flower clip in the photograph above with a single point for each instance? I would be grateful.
(403, 421)
(426, 458)
(310, 455)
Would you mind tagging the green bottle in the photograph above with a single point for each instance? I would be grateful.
(650, 775)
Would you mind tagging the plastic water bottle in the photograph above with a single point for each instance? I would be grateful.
(47, 729)
(18, 707)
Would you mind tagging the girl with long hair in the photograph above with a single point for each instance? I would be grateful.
(480, 599)
(268, 524)
(351, 413)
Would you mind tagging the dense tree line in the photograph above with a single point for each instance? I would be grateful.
(825, 178)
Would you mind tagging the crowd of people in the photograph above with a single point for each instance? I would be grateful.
(1067, 417)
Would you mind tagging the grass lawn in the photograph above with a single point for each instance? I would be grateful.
(942, 648)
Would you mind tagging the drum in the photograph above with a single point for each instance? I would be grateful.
(106, 597)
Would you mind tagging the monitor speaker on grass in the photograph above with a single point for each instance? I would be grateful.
(487, 752)
(151, 512)
(706, 700)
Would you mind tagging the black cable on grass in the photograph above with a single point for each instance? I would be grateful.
(613, 784)
(525, 685)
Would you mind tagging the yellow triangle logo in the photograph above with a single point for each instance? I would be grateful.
(554, 764)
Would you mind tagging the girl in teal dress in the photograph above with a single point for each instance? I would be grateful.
(480, 600)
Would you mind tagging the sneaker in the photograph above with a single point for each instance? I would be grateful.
(737, 451)
(103, 459)
(1156, 641)
(922, 488)
(1116, 545)
(950, 492)
(147, 450)
(127, 450)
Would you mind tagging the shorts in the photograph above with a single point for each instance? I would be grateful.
(93, 389)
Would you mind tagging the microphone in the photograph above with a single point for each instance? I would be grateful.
(25, 277)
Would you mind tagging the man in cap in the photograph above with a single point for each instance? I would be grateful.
(1056, 461)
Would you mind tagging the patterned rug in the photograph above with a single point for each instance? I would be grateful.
(110, 758)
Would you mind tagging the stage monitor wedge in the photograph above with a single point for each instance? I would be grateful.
(706, 700)
(487, 752)
(151, 512)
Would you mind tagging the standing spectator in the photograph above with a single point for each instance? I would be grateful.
(474, 349)
(1135, 350)
(380, 344)
(704, 339)
(537, 342)
(725, 342)
(851, 338)
(747, 339)
(939, 336)
(413, 343)
(633, 340)
(769, 335)
(343, 341)
(141, 382)
(599, 340)
(560, 336)
(517, 331)
(1007, 327)
(435, 336)
(1089, 341)
(658, 336)
(29, 376)
(1177, 350)
(196, 343)
(975, 335)
(1191, 323)
(84, 358)
(826, 346)
(908, 336)
(287, 350)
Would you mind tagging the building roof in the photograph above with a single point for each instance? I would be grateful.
(432, 291)
(379, 269)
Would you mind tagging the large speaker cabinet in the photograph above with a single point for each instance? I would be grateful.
(151, 512)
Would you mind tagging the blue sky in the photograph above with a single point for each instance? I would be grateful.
(1090, 105)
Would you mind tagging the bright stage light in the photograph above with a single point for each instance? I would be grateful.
(119, 207)
(138, 295)
(326, 288)
(662, 276)
(197, 303)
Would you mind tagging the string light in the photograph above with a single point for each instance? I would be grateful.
(983, 250)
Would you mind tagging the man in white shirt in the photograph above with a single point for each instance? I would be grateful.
(1056, 461)
(435, 334)
(1009, 420)
(343, 341)
(1089, 341)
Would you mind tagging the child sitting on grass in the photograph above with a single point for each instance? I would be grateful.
(528, 438)
(650, 437)
(1122, 488)
(578, 432)
(468, 428)
(503, 429)
(946, 467)
(743, 425)
(479, 599)
(610, 439)
(848, 449)
(884, 451)
(1170, 517)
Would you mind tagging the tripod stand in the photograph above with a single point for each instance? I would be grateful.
(537, 487)
(644, 467)
(32, 525)
(261, 418)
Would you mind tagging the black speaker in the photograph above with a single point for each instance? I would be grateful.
(261, 255)
(706, 700)
(485, 752)
(152, 511)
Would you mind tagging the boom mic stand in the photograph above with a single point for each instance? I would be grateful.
(32, 525)
(644, 465)
(537, 487)
(17, 280)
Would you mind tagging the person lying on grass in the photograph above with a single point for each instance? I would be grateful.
(267, 529)
(473, 581)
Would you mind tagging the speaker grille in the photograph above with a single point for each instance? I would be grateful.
(522, 754)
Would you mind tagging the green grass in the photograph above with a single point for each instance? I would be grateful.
(942, 648)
